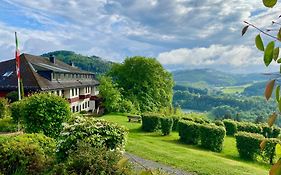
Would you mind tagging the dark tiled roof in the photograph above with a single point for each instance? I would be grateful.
(32, 80)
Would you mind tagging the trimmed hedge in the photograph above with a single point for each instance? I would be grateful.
(268, 154)
(26, 154)
(230, 126)
(212, 137)
(219, 123)
(270, 132)
(249, 127)
(166, 125)
(189, 132)
(150, 122)
(196, 119)
(248, 144)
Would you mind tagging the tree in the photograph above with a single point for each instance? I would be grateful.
(145, 82)
(110, 93)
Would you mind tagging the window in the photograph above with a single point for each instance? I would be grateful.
(7, 74)
(88, 103)
(77, 108)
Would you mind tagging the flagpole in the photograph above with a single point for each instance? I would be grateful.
(18, 65)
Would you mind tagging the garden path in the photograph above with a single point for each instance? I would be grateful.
(142, 164)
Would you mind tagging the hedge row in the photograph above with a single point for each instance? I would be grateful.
(233, 127)
(248, 145)
(189, 132)
(210, 136)
(153, 122)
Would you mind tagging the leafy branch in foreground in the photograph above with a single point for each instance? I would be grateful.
(271, 52)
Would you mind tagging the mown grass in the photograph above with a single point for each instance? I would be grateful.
(168, 150)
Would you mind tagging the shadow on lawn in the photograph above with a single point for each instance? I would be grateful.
(135, 130)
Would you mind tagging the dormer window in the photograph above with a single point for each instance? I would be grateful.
(7, 74)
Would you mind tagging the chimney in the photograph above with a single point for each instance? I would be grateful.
(52, 59)
(72, 64)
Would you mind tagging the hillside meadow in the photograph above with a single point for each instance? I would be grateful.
(168, 150)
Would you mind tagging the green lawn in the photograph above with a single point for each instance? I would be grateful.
(167, 150)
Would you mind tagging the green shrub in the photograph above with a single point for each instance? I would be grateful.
(4, 110)
(268, 154)
(275, 132)
(212, 137)
(249, 127)
(12, 96)
(266, 130)
(270, 132)
(166, 125)
(17, 109)
(219, 123)
(196, 119)
(126, 106)
(230, 126)
(248, 144)
(92, 131)
(28, 154)
(45, 113)
(150, 122)
(6, 125)
(189, 132)
(94, 160)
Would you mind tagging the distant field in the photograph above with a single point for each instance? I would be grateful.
(168, 150)
(234, 89)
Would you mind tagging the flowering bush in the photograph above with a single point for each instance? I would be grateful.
(94, 132)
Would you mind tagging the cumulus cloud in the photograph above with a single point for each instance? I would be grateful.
(237, 59)
(200, 33)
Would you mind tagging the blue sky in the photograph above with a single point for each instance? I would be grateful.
(179, 33)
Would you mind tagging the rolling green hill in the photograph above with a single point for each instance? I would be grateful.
(215, 78)
(93, 63)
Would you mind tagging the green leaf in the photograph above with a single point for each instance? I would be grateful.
(276, 53)
(268, 53)
(279, 60)
(259, 43)
(244, 30)
(277, 93)
(279, 35)
(279, 105)
(269, 3)
(278, 150)
(268, 89)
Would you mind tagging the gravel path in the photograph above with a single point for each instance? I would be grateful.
(140, 164)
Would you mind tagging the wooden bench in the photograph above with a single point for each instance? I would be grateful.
(135, 118)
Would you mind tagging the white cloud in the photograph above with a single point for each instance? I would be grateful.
(198, 33)
(213, 56)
